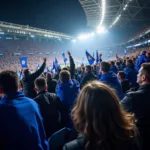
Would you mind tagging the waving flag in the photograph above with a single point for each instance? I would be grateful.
(56, 64)
(90, 58)
(23, 62)
(64, 58)
(53, 68)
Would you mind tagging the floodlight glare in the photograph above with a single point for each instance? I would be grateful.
(101, 29)
(83, 36)
(92, 34)
(103, 12)
(74, 41)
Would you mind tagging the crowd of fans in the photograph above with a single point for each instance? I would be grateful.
(34, 50)
(101, 107)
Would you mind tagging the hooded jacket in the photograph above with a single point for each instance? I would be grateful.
(67, 92)
(114, 69)
(21, 126)
(110, 79)
(131, 75)
(141, 59)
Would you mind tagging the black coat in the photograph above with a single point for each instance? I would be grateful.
(88, 76)
(28, 82)
(79, 144)
(72, 67)
(138, 102)
(53, 112)
(125, 85)
(52, 85)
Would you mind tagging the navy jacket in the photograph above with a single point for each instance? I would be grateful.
(67, 92)
(114, 69)
(131, 75)
(51, 109)
(88, 76)
(52, 85)
(110, 79)
(28, 82)
(141, 59)
(21, 126)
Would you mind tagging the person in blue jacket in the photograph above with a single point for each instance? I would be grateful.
(131, 73)
(141, 59)
(110, 78)
(113, 68)
(21, 126)
(67, 89)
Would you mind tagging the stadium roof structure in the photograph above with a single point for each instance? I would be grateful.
(11, 27)
(117, 12)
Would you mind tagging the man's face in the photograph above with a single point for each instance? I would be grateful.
(140, 77)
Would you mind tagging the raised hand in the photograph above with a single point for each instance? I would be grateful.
(69, 53)
(45, 59)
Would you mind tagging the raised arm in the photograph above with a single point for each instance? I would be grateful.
(40, 70)
(72, 65)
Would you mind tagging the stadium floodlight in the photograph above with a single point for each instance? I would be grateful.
(117, 19)
(92, 34)
(101, 29)
(83, 36)
(126, 5)
(124, 8)
(103, 12)
(74, 41)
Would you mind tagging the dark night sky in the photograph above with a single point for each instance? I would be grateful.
(59, 15)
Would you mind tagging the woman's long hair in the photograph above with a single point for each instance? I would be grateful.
(99, 116)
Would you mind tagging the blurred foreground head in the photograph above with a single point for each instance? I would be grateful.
(99, 116)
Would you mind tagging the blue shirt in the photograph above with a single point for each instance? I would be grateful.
(21, 126)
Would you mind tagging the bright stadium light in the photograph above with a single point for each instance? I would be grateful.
(74, 41)
(124, 8)
(103, 12)
(117, 19)
(83, 36)
(101, 29)
(92, 34)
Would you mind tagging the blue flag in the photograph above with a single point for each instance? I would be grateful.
(90, 58)
(64, 58)
(53, 68)
(125, 52)
(57, 66)
(23, 62)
